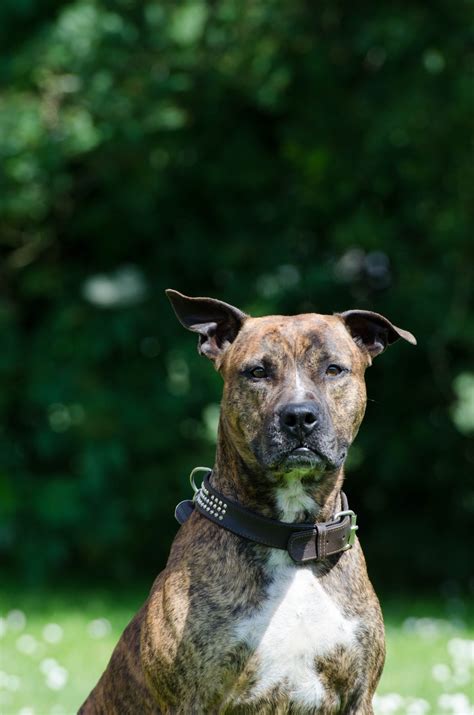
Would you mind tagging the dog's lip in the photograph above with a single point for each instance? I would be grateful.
(306, 455)
(303, 459)
(302, 451)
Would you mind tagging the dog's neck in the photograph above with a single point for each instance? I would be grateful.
(289, 498)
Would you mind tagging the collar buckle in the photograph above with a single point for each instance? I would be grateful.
(354, 527)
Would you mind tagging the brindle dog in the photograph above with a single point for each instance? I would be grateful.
(231, 626)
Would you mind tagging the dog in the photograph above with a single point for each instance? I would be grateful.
(265, 605)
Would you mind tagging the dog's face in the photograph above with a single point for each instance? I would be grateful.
(294, 390)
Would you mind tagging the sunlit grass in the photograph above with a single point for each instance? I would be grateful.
(45, 669)
(54, 645)
(430, 659)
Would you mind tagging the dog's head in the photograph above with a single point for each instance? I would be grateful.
(294, 390)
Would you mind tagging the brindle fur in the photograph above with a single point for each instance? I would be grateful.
(180, 653)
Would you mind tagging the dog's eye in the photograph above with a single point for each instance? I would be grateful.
(258, 372)
(334, 370)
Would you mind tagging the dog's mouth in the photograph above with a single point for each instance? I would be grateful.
(304, 459)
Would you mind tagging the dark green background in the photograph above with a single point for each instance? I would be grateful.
(284, 156)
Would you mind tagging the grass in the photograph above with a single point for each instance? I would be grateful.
(55, 644)
(430, 658)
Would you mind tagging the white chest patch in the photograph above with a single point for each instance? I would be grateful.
(292, 499)
(297, 623)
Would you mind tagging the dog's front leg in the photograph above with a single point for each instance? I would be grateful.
(122, 689)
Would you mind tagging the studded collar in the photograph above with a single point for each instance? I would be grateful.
(303, 541)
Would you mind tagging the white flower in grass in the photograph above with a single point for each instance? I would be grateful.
(455, 704)
(55, 675)
(56, 679)
(417, 706)
(13, 683)
(9, 682)
(53, 633)
(388, 704)
(27, 644)
(409, 624)
(461, 650)
(462, 676)
(16, 620)
(99, 628)
(441, 672)
(428, 628)
(48, 664)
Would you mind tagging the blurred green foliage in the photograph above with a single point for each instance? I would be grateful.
(283, 156)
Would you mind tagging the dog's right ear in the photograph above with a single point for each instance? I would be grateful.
(217, 323)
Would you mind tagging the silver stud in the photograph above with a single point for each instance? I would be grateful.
(220, 518)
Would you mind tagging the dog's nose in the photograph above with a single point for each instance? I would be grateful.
(299, 419)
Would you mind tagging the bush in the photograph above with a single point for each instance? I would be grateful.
(282, 157)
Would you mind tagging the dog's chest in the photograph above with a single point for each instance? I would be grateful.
(295, 628)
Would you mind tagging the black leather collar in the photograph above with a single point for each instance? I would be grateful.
(303, 541)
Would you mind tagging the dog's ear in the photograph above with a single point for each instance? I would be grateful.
(372, 332)
(217, 323)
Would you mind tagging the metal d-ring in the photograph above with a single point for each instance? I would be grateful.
(191, 477)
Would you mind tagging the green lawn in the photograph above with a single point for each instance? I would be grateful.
(54, 644)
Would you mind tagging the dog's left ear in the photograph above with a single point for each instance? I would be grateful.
(372, 332)
(217, 323)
